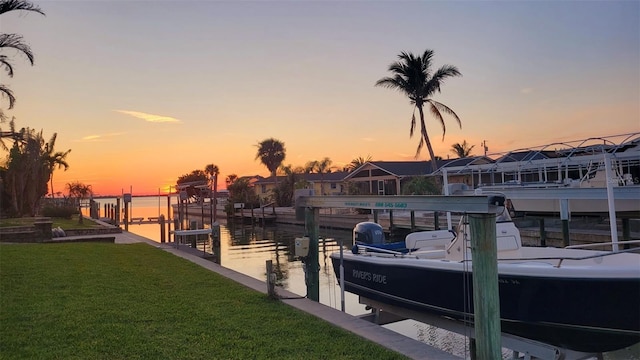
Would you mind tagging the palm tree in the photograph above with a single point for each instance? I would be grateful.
(230, 179)
(412, 76)
(79, 191)
(54, 159)
(284, 192)
(213, 171)
(14, 41)
(321, 167)
(271, 153)
(26, 174)
(462, 150)
(357, 162)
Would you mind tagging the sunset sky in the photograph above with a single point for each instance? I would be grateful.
(145, 91)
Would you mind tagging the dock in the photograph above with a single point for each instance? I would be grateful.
(148, 220)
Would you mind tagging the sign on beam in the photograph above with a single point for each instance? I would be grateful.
(481, 204)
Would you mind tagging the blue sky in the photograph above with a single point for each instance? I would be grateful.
(145, 91)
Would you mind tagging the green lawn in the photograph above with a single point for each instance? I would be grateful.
(108, 301)
(66, 224)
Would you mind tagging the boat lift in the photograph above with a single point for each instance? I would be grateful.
(483, 209)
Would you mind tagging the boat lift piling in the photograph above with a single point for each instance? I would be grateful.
(483, 208)
(484, 253)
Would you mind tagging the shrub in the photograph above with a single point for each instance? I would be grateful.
(64, 212)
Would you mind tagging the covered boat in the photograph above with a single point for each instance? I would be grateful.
(578, 299)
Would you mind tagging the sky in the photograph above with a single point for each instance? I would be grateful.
(143, 92)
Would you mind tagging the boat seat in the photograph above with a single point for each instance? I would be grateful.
(433, 239)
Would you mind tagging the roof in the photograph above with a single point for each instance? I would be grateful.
(398, 168)
(311, 177)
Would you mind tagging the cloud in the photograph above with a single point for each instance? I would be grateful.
(150, 117)
(99, 138)
(526, 90)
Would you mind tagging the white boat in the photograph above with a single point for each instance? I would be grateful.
(578, 299)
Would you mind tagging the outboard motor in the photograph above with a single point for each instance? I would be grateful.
(368, 233)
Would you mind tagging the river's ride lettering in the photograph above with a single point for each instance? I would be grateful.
(367, 276)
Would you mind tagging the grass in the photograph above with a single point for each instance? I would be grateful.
(108, 301)
(66, 224)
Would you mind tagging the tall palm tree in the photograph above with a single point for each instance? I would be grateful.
(412, 76)
(13, 41)
(54, 160)
(271, 153)
(462, 150)
(213, 171)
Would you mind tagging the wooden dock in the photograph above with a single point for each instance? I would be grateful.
(149, 220)
(261, 215)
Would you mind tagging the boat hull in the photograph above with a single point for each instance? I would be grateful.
(565, 312)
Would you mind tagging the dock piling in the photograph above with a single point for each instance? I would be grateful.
(312, 216)
(486, 300)
(162, 233)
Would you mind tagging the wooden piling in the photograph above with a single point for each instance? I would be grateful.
(126, 216)
(626, 231)
(169, 214)
(312, 224)
(543, 233)
(271, 286)
(162, 233)
(565, 216)
(486, 300)
(413, 220)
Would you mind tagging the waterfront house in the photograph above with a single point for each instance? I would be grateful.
(327, 184)
(388, 177)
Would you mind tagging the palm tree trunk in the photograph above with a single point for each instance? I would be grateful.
(423, 130)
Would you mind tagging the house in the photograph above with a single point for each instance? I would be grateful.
(388, 177)
(327, 183)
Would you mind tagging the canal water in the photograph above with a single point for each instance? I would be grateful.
(246, 248)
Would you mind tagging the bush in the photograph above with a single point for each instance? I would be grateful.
(64, 212)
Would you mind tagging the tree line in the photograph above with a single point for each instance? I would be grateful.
(287, 178)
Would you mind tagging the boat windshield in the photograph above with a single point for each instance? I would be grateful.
(503, 216)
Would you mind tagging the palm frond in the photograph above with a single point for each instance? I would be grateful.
(5, 91)
(6, 64)
(14, 41)
(446, 109)
(436, 113)
(413, 122)
(9, 5)
(438, 77)
(420, 145)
